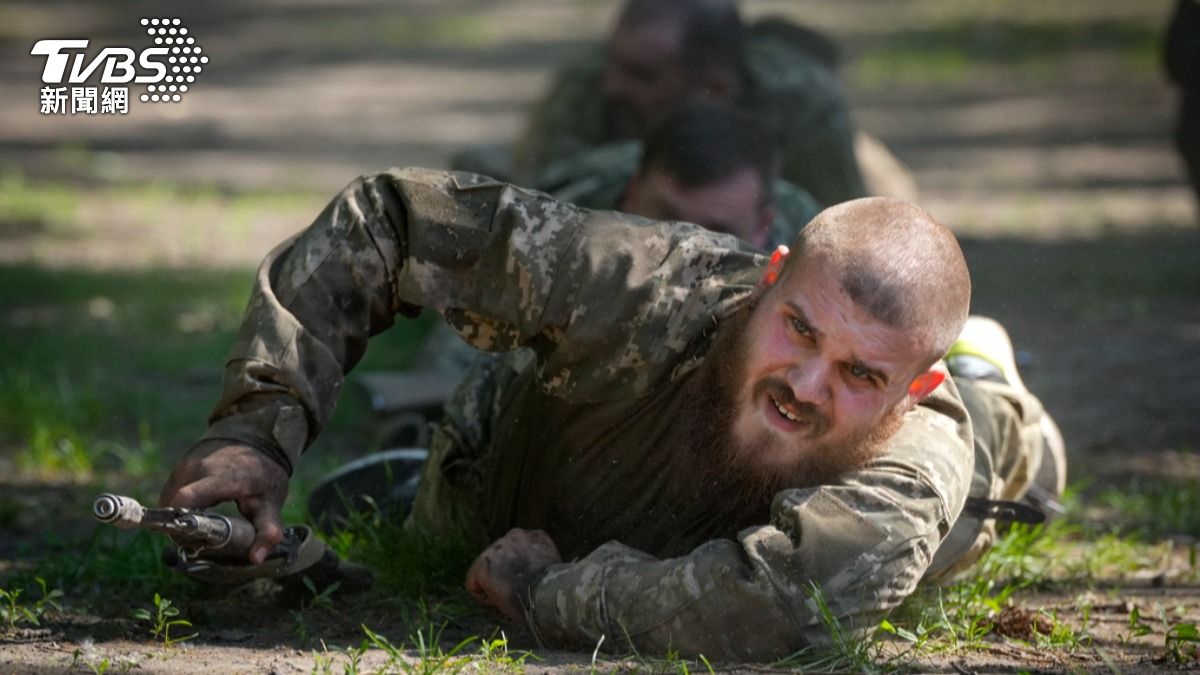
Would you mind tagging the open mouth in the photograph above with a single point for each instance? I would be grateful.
(785, 419)
(792, 417)
(785, 412)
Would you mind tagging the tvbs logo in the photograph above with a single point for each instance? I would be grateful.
(117, 62)
(167, 68)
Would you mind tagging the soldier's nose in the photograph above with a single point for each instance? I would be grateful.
(809, 383)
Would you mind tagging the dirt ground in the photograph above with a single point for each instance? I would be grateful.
(1057, 172)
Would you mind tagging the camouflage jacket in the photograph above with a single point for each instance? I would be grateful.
(614, 307)
(793, 96)
(596, 179)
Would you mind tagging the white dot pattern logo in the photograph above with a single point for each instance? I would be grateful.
(169, 32)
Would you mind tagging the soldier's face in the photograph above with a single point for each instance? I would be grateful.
(733, 206)
(822, 382)
(644, 76)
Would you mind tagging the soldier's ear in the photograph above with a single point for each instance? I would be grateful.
(774, 266)
(924, 384)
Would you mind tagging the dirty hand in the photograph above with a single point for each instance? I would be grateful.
(216, 471)
(503, 574)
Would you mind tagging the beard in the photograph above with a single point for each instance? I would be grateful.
(751, 471)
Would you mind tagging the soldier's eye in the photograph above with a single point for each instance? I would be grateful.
(863, 374)
(800, 327)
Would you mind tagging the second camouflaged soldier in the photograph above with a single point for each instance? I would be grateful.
(705, 164)
(705, 434)
(664, 53)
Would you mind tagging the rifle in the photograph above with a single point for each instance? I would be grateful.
(194, 532)
(214, 548)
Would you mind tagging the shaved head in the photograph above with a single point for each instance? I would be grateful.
(897, 263)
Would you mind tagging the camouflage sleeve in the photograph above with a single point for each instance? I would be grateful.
(568, 119)
(864, 542)
(598, 295)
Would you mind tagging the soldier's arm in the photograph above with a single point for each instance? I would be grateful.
(597, 295)
(507, 267)
(864, 542)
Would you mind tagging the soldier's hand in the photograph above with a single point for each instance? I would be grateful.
(214, 471)
(503, 574)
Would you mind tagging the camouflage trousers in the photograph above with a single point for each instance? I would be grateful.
(1009, 450)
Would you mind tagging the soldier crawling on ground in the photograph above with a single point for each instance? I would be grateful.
(663, 54)
(703, 435)
(705, 163)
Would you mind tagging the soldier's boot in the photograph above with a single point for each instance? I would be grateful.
(984, 351)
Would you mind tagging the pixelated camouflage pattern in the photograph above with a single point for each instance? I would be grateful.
(865, 541)
(615, 308)
(1008, 453)
(795, 98)
(596, 179)
(406, 239)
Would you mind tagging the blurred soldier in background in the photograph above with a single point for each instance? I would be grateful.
(704, 164)
(664, 53)
(1183, 67)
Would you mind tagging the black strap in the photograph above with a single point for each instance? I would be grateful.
(1015, 512)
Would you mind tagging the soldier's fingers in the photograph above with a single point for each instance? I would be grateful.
(205, 492)
(268, 526)
(540, 543)
(477, 579)
(167, 496)
(475, 587)
(183, 473)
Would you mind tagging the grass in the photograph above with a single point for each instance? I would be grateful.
(106, 378)
(408, 565)
(107, 382)
(201, 216)
(422, 654)
(845, 651)
(989, 604)
(14, 611)
(1156, 508)
(955, 50)
(429, 656)
(108, 563)
(108, 375)
(163, 617)
(27, 207)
